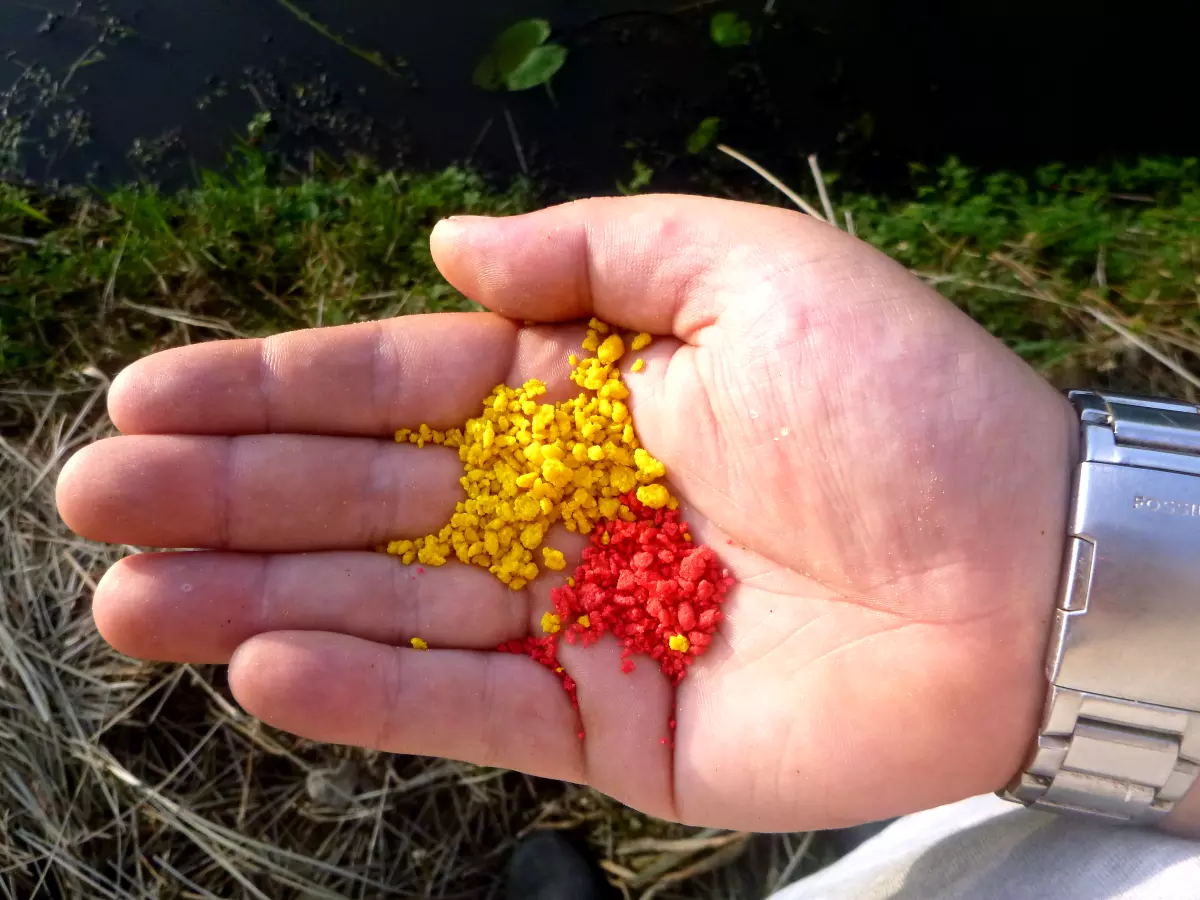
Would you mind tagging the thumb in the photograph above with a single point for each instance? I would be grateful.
(665, 264)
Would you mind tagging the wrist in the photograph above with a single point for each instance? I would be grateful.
(1011, 568)
(1184, 819)
(1041, 574)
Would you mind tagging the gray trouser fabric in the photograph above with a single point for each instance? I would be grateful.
(985, 848)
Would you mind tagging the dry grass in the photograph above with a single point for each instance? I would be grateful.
(120, 779)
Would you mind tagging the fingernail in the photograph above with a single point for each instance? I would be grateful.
(459, 222)
(445, 235)
(451, 234)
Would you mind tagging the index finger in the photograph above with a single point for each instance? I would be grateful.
(367, 379)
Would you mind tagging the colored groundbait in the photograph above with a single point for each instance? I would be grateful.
(529, 465)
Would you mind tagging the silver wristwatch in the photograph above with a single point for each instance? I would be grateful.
(1120, 736)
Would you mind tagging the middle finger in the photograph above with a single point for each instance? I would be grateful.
(263, 492)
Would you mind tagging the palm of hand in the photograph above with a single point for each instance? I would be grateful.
(877, 473)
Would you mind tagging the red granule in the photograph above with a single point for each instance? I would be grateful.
(542, 649)
(646, 585)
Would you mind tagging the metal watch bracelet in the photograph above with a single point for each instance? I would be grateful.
(1120, 735)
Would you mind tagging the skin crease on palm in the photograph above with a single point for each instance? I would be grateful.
(887, 483)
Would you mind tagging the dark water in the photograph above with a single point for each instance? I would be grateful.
(869, 84)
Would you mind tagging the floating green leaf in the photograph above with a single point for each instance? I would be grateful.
(520, 58)
(728, 29)
(704, 134)
(537, 68)
(487, 76)
(519, 40)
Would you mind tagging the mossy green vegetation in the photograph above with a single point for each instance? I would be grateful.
(94, 280)
(1069, 268)
(1064, 266)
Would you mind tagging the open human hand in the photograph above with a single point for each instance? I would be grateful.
(886, 482)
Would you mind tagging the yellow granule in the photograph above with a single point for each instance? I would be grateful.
(529, 464)
(419, 644)
(654, 496)
(679, 642)
(551, 623)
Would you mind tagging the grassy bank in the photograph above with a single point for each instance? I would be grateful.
(1093, 276)
(88, 280)
(1088, 275)
(125, 780)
